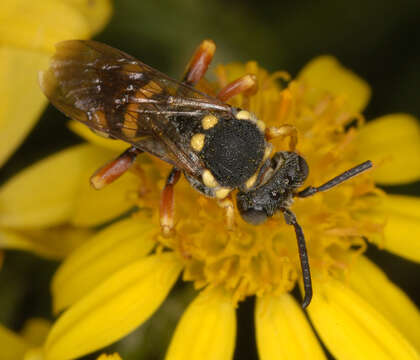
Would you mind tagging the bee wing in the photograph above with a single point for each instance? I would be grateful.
(121, 97)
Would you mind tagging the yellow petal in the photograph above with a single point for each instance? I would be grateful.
(35, 331)
(392, 142)
(56, 190)
(325, 75)
(402, 228)
(21, 101)
(206, 330)
(374, 286)
(84, 132)
(352, 328)
(95, 207)
(54, 243)
(114, 308)
(39, 25)
(95, 261)
(114, 356)
(96, 13)
(44, 193)
(34, 354)
(283, 332)
(12, 346)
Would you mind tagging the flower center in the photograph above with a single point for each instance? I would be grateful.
(254, 260)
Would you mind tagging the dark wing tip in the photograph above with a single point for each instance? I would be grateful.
(47, 79)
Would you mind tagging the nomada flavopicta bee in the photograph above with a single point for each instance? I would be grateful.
(217, 147)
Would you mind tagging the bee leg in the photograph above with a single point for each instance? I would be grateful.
(227, 204)
(199, 62)
(114, 169)
(283, 131)
(246, 85)
(167, 208)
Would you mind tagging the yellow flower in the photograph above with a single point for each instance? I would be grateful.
(28, 32)
(27, 345)
(117, 279)
(109, 357)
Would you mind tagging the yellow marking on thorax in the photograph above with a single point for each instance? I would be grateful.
(197, 142)
(222, 192)
(261, 125)
(208, 179)
(267, 151)
(251, 181)
(209, 121)
(246, 115)
(243, 115)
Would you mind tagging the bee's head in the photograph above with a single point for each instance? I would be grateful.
(286, 171)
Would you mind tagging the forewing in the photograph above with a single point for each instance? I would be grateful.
(115, 94)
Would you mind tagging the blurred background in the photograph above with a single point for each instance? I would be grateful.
(377, 39)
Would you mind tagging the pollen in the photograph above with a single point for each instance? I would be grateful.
(258, 260)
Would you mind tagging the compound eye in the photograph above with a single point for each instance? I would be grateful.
(249, 212)
(253, 216)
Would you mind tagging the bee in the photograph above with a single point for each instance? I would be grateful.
(218, 148)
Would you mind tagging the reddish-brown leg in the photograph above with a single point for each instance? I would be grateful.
(114, 169)
(195, 71)
(167, 208)
(199, 62)
(246, 85)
